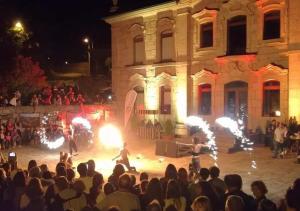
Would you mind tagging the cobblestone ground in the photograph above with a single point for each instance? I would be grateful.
(278, 174)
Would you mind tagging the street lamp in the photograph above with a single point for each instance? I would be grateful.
(90, 46)
(18, 26)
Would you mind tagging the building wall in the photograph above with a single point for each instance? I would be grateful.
(191, 65)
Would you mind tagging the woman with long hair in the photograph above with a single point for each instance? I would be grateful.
(153, 192)
(201, 203)
(174, 196)
(32, 199)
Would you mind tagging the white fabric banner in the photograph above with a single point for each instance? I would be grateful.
(129, 104)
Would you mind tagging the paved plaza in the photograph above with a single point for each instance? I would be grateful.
(278, 174)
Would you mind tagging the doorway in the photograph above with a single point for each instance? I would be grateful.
(236, 100)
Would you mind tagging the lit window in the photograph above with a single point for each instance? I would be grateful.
(271, 98)
(165, 100)
(167, 46)
(237, 35)
(206, 35)
(272, 25)
(204, 97)
(138, 49)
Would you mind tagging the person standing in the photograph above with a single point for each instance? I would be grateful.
(72, 142)
(278, 139)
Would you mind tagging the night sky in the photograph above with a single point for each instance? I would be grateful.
(60, 25)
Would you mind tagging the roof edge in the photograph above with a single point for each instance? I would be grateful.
(147, 11)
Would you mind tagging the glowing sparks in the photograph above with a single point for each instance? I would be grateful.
(205, 127)
(43, 137)
(110, 136)
(236, 128)
(82, 121)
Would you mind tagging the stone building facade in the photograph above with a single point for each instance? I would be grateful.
(210, 58)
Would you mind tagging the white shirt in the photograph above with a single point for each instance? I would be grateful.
(279, 134)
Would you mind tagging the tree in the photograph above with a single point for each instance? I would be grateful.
(27, 76)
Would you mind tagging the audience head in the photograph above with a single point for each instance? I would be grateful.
(31, 164)
(47, 175)
(171, 172)
(292, 196)
(19, 179)
(234, 203)
(182, 175)
(113, 208)
(35, 172)
(34, 189)
(108, 188)
(154, 190)
(58, 165)
(118, 170)
(201, 203)
(98, 180)
(171, 208)
(61, 171)
(154, 206)
(233, 182)
(124, 182)
(82, 169)
(214, 172)
(204, 173)
(91, 165)
(259, 189)
(144, 176)
(44, 168)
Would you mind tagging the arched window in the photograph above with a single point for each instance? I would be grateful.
(204, 99)
(237, 35)
(271, 98)
(138, 49)
(271, 25)
(167, 45)
(206, 35)
(165, 100)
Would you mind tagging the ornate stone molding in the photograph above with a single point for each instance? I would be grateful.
(165, 24)
(203, 73)
(165, 76)
(273, 69)
(137, 29)
(136, 80)
(206, 12)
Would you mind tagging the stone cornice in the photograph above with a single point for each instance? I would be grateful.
(149, 11)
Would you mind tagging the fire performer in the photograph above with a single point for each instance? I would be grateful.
(72, 142)
(198, 148)
(124, 158)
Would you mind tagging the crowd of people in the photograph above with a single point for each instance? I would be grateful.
(13, 134)
(51, 95)
(38, 189)
(279, 137)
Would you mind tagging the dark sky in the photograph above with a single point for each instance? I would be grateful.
(60, 25)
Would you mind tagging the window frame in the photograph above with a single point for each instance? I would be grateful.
(201, 31)
(238, 22)
(137, 39)
(165, 108)
(204, 88)
(270, 12)
(271, 85)
(166, 34)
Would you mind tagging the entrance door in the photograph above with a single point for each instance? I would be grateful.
(236, 100)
